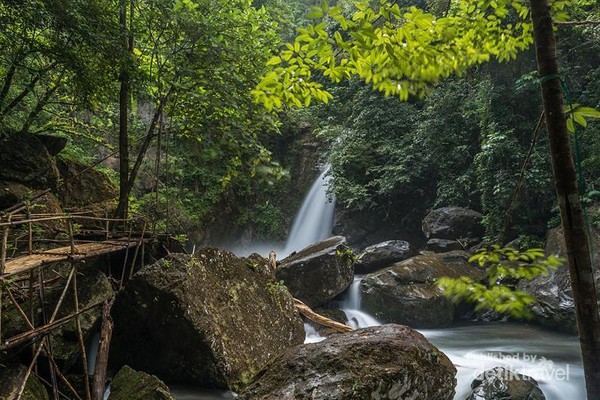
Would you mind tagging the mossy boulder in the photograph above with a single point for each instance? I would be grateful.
(11, 378)
(83, 186)
(406, 292)
(500, 383)
(211, 319)
(384, 362)
(129, 384)
(25, 160)
(318, 273)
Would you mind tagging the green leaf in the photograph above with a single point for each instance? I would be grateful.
(274, 61)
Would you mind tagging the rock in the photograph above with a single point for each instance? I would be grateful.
(25, 160)
(83, 186)
(443, 245)
(365, 228)
(11, 377)
(452, 223)
(502, 384)
(384, 362)
(555, 306)
(406, 292)
(54, 144)
(129, 384)
(382, 255)
(318, 273)
(211, 319)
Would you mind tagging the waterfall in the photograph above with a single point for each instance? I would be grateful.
(314, 221)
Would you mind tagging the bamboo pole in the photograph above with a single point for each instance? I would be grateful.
(122, 281)
(137, 249)
(4, 247)
(103, 350)
(29, 369)
(80, 337)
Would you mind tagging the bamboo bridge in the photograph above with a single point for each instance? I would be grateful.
(27, 270)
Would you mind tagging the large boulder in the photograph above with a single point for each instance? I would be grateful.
(25, 160)
(502, 384)
(11, 378)
(382, 255)
(384, 362)
(555, 306)
(82, 185)
(318, 273)
(406, 292)
(210, 319)
(453, 223)
(129, 384)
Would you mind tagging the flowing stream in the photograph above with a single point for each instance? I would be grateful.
(552, 358)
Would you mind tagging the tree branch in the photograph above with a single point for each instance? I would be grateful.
(575, 23)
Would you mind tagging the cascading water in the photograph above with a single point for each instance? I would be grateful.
(314, 221)
(351, 307)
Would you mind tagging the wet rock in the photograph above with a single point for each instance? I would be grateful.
(83, 186)
(443, 245)
(453, 223)
(318, 273)
(406, 292)
(502, 384)
(11, 377)
(25, 160)
(555, 306)
(385, 362)
(129, 384)
(382, 255)
(211, 319)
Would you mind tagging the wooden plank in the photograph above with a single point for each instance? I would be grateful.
(87, 250)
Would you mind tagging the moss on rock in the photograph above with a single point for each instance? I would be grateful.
(129, 384)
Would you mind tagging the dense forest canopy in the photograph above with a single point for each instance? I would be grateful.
(203, 144)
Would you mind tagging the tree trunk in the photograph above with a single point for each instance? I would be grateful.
(578, 253)
(123, 205)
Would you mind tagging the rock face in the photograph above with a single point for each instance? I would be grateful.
(384, 362)
(133, 385)
(319, 272)
(502, 384)
(555, 306)
(382, 255)
(452, 223)
(11, 376)
(211, 319)
(406, 293)
(25, 160)
(83, 186)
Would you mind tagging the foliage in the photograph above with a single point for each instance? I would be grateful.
(502, 266)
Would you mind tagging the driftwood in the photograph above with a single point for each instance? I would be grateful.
(103, 349)
(320, 319)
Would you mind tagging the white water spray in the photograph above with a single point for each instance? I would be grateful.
(314, 221)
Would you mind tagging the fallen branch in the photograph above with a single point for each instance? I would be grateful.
(103, 350)
(320, 319)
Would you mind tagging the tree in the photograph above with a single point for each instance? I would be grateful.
(402, 51)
